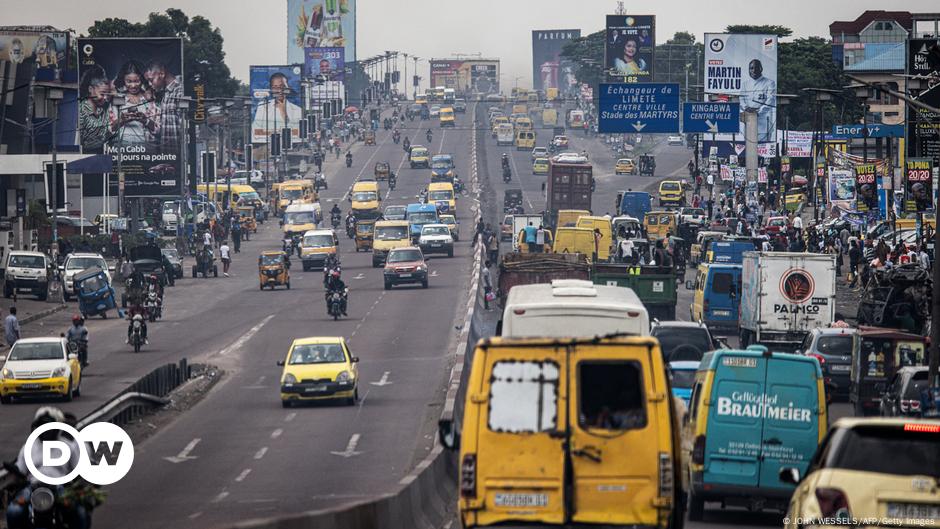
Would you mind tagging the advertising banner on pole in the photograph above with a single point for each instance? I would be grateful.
(842, 188)
(144, 134)
(49, 49)
(320, 24)
(918, 185)
(629, 47)
(923, 127)
(866, 187)
(745, 66)
(799, 144)
(641, 107)
(466, 75)
(328, 62)
(275, 100)
(548, 69)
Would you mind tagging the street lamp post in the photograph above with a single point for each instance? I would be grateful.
(55, 95)
(118, 101)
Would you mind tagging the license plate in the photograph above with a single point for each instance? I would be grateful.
(31, 386)
(840, 368)
(914, 511)
(721, 313)
(521, 500)
(315, 389)
(435, 245)
(404, 275)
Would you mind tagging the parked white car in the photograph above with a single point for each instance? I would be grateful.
(75, 263)
(436, 238)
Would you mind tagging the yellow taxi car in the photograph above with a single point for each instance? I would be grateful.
(443, 196)
(319, 368)
(419, 157)
(540, 166)
(315, 246)
(877, 469)
(671, 193)
(451, 221)
(625, 166)
(40, 367)
(446, 117)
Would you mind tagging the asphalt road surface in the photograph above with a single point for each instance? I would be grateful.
(243, 455)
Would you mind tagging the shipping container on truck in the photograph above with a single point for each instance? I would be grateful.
(784, 296)
(531, 268)
(654, 285)
(569, 186)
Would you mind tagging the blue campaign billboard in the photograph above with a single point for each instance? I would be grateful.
(710, 117)
(638, 107)
(856, 130)
(275, 100)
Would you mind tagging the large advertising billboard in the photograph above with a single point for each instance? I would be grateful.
(49, 49)
(548, 69)
(276, 100)
(144, 134)
(328, 62)
(745, 66)
(866, 188)
(320, 24)
(630, 42)
(480, 75)
(923, 127)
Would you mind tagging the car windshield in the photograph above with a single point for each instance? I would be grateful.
(778, 222)
(249, 196)
(422, 217)
(271, 260)
(418, 152)
(172, 253)
(669, 186)
(299, 217)
(404, 256)
(93, 284)
(292, 194)
(694, 211)
(916, 385)
(391, 233)
(331, 353)
(319, 240)
(450, 221)
(27, 261)
(81, 263)
(682, 344)
(37, 351)
(435, 230)
(683, 378)
(841, 345)
(441, 195)
(365, 196)
(912, 453)
(169, 207)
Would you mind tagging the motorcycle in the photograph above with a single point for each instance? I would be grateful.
(335, 220)
(430, 136)
(79, 346)
(348, 160)
(396, 137)
(507, 174)
(153, 306)
(335, 306)
(328, 270)
(287, 246)
(44, 508)
(137, 329)
(391, 182)
(319, 182)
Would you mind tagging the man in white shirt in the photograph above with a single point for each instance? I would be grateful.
(277, 112)
(760, 96)
(798, 223)
(225, 253)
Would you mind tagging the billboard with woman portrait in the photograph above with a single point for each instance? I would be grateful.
(129, 91)
(630, 41)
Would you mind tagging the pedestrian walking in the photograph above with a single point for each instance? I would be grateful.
(480, 227)
(11, 328)
(493, 248)
(487, 285)
(225, 253)
(540, 239)
(237, 235)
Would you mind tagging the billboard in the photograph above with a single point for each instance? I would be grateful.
(145, 133)
(328, 62)
(275, 100)
(918, 185)
(745, 66)
(49, 49)
(630, 41)
(480, 75)
(923, 127)
(320, 24)
(548, 70)
(866, 187)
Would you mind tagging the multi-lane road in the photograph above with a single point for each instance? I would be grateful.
(238, 454)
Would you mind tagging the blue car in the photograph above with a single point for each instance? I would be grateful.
(683, 378)
(94, 292)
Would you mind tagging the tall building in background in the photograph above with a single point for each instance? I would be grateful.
(548, 68)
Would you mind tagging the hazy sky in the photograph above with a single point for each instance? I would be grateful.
(255, 32)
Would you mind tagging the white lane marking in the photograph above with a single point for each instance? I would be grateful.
(260, 453)
(259, 384)
(195, 515)
(433, 273)
(241, 477)
(290, 416)
(184, 453)
(220, 496)
(276, 433)
(382, 381)
(350, 447)
(360, 276)
(245, 337)
(515, 169)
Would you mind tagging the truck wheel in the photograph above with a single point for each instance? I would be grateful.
(388, 286)
(43, 295)
(696, 508)
(450, 253)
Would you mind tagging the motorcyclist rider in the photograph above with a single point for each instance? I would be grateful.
(430, 134)
(335, 214)
(335, 284)
(75, 513)
(348, 157)
(406, 144)
(505, 160)
(132, 313)
(392, 180)
(79, 333)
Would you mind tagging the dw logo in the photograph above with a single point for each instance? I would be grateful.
(106, 453)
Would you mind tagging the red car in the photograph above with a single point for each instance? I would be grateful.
(776, 225)
(405, 265)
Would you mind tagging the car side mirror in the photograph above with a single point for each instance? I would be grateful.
(355, 359)
(448, 434)
(280, 362)
(3, 358)
(689, 285)
(73, 357)
(790, 475)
